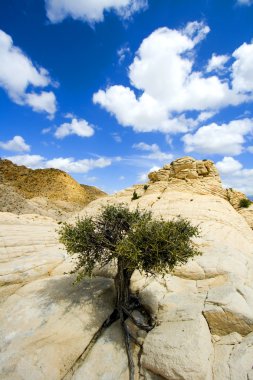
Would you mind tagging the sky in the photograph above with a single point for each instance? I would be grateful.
(109, 90)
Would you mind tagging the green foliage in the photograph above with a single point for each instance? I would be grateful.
(145, 187)
(135, 196)
(157, 246)
(244, 203)
(152, 246)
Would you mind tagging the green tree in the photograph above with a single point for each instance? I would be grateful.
(133, 240)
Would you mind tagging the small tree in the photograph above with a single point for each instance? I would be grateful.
(134, 241)
(135, 196)
(244, 203)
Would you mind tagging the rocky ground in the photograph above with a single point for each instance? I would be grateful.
(204, 310)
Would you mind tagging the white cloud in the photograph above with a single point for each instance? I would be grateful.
(163, 76)
(155, 154)
(17, 144)
(146, 147)
(91, 10)
(75, 127)
(219, 139)
(17, 73)
(122, 53)
(243, 68)
(145, 114)
(245, 2)
(78, 166)
(169, 141)
(33, 161)
(69, 115)
(43, 102)
(203, 116)
(228, 165)
(68, 164)
(217, 62)
(235, 176)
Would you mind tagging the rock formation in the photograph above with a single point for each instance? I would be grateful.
(186, 168)
(48, 192)
(204, 310)
(202, 177)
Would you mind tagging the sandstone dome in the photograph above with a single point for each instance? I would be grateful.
(204, 310)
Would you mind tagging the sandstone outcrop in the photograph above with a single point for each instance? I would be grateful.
(48, 192)
(204, 310)
(186, 168)
(202, 177)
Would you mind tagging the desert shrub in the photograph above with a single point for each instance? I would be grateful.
(145, 187)
(135, 196)
(244, 203)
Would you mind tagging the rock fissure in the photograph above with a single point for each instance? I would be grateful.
(81, 358)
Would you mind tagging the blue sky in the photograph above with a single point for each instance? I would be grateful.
(108, 90)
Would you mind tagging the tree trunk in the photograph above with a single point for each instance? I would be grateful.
(124, 305)
(122, 286)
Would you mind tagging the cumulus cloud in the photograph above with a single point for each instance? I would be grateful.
(228, 165)
(219, 139)
(155, 152)
(145, 114)
(33, 161)
(91, 11)
(243, 68)
(17, 73)
(75, 127)
(165, 85)
(17, 144)
(78, 166)
(217, 62)
(68, 164)
(235, 175)
(43, 102)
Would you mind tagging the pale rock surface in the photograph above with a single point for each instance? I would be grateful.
(29, 249)
(107, 360)
(203, 310)
(247, 213)
(47, 324)
(178, 349)
(211, 295)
